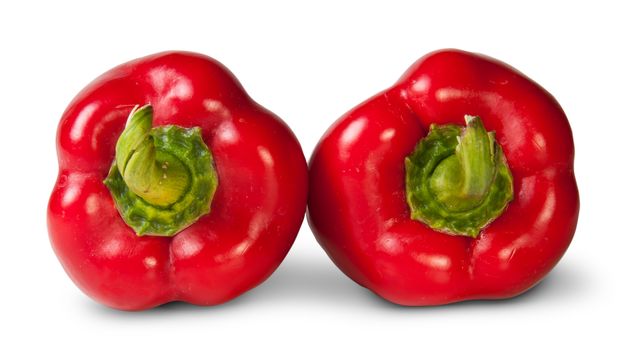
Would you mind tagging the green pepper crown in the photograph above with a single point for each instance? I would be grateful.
(162, 179)
(457, 179)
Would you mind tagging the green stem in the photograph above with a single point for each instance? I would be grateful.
(159, 182)
(462, 180)
(163, 178)
(476, 154)
(457, 179)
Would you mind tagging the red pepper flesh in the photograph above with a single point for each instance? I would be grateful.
(358, 207)
(256, 211)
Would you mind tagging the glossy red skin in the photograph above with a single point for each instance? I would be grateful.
(255, 215)
(357, 204)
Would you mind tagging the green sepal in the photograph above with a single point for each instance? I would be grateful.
(183, 153)
(457, 213)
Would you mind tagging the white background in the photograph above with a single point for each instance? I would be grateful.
(310, 63)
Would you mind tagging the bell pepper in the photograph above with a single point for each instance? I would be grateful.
(456, 183)
(173, 184)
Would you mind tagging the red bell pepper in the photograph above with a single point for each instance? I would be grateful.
(198, 198)
(456, 183)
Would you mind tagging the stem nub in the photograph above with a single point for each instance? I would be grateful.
(162, 179)
(457, 179)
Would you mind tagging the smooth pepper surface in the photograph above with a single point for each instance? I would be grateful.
(255, 213)
(358, 203)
